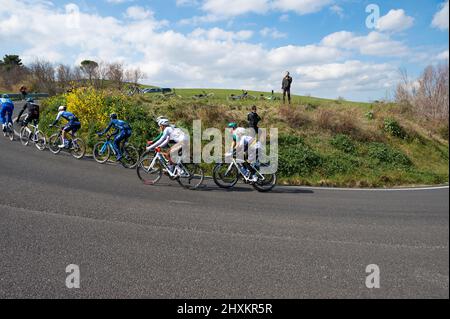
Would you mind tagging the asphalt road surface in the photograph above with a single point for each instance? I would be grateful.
(135, 241)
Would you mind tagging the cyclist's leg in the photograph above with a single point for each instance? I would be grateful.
(10, 116)
(3, 118)
(65, 131)
(116, 144)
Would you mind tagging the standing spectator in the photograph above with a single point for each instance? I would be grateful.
(23, 91)
(253, 119)
(286, 87)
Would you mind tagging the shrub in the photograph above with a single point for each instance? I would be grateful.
(382, 154)
(294, 117)
(340, 124)
(370, 115)
(393, 128)
(297, 159)
(443, 131)
(93, 108)
(339, 164)
(343, 143)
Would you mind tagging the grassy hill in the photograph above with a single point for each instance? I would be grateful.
(322, 141)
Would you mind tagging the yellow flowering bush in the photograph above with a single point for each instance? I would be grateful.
(89, 105)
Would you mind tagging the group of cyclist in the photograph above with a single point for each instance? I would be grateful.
(171, 137)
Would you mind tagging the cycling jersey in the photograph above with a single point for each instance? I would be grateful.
(6, 111)
(32, 112)
(69, 117)
(170, 135)
(120, 126)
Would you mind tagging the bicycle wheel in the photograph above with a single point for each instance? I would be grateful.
(25, 136)
(251, 98)
(78, 148)
(266, 185)
(192, 176)
(40, 140)
(130, 157)
(224, 176)
(101, 152)
(53, 143)
(11, 132)
(148, 174)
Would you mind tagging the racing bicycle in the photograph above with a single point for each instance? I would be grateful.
(104, 149)
(77, 147)
(33, 135)
(151, 168)
(227, 175)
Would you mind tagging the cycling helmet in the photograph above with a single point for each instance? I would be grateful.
(232, 125)
(159, 118)
(113, 116)
(62, 108)
(163, 122)
(5, 96)
(30, 100)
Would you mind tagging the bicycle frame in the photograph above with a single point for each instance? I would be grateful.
(177, 171)
(238, 166)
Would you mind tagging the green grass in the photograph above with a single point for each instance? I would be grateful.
(322, 141)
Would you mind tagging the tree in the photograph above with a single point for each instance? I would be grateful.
(12, 71)
(43, 74)
(89, 68)
(116, 74)
(134, 76)
(11, 61)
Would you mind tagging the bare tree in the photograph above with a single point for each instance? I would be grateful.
(64, 76)
(43, 76)
(116, 74)
(429, 95)
(133, 76)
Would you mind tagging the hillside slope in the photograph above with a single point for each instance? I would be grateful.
(322, 141)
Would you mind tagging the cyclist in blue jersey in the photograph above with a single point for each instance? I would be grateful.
(73, 124)
(123, 133)
(6, 111)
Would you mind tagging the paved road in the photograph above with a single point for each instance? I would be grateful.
(132, 240)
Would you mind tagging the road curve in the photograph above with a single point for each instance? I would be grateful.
(137, 241)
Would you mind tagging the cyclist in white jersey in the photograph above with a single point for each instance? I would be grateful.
(170, 135)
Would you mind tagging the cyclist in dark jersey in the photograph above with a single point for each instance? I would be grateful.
(73, 124)
(32, 113)
(123, 133)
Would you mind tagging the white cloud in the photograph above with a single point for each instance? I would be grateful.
(217, 10)
(373, 44)
(337, 10)
(351, 75)
(138, 13)
(231, 8)
(443, 56)
(272, 33)
(301, 7)
(203, 58)
(395, 21)
(440, 19)
(218, 34)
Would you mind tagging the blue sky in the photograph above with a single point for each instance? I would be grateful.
(325, 44)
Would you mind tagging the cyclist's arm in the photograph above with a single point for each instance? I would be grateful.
(157, 138)
(21, 112)
(107, 129)
(57, 118)
(163, 141)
